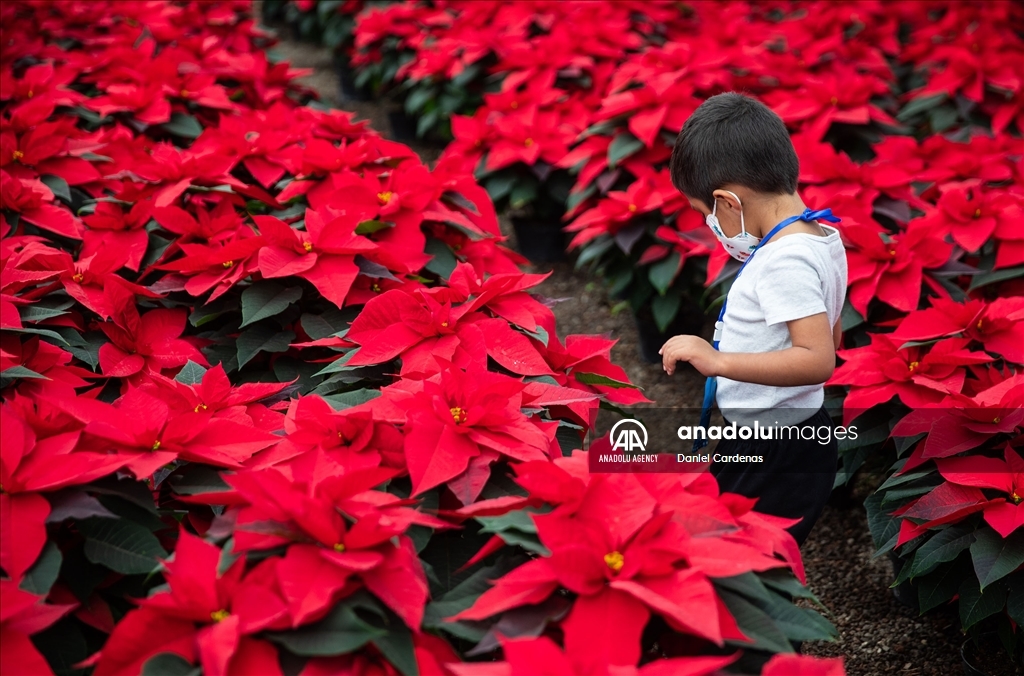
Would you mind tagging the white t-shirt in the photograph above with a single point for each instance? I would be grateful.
(795, 276)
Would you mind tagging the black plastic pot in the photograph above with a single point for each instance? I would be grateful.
(542, 241)
(842, 496)
(969, 654)
(273, 12)
(905, 593)
(689, 320)
(403, 127)
(969, 669)
(347, 81)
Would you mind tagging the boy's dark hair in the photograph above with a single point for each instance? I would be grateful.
(732, 138)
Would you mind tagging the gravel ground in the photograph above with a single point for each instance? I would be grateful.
(878, 635)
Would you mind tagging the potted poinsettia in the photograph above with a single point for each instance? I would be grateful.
(520, 136)
(948, 512)
(385, 37)
(452, 67)
(585, 564)
(431, 62)
(952, 509)
(303, 17)
(512, 144)
(631, 225)
(652, 254)
(337, 33)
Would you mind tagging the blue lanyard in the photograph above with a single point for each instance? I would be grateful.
(711, 384)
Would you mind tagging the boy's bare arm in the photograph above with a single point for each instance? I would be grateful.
(810, 361)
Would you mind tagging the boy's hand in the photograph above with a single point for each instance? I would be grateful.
(694, 349)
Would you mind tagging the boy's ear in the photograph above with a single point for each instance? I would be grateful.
(728, 200)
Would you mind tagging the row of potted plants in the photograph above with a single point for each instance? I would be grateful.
(276, 398)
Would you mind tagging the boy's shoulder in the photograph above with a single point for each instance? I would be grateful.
(798, 260)
(807, 239)
(804, 245)
(794, 247)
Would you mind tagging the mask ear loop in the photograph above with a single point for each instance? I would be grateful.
(743, 226)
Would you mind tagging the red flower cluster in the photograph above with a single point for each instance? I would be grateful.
(177, 231)
(659, 556)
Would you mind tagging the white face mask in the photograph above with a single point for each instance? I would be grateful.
(740, 246)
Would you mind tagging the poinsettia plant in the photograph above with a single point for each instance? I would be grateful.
(326, 21)
(651, 569)
(631, 226)
(949, 511)
(382, 43)
(452, 52)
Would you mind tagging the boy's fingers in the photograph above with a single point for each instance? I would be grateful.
(669, 360)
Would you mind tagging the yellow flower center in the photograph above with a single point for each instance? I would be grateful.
(17, 155)
(834, 100)
(1016, 498)
(308, 246)
(892, 252)
(375, 287)
(914, 365)
(528, 142)
(458, 414)
(514, 105)
(614, 560)
(31, 93)
(384, 197)
(632, 208)
(156, 445)
(977, 212)
(227, 264)
(78, 277)
(445, 323)
(184, 93)
(338, 547)
(199, 407)
(996, 420)
(219, 615)
(978, 325)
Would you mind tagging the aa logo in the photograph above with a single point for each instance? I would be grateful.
(628, 436)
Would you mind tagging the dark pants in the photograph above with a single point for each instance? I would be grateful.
(795, 479)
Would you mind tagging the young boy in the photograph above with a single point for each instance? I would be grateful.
(735, 163)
